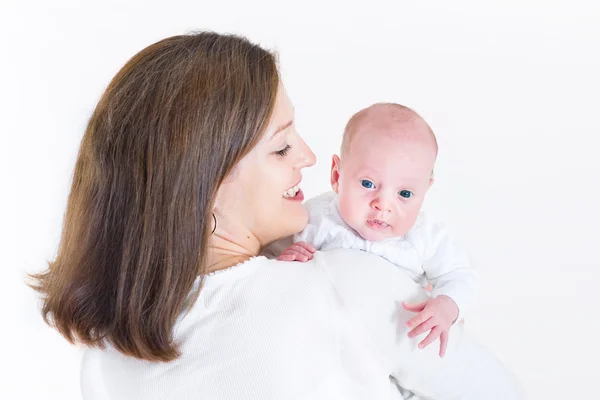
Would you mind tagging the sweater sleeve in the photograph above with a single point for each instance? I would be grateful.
(372, 291)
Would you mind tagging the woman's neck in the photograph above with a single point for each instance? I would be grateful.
(225, 262)
(225, 250)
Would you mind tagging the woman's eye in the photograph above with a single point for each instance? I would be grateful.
(367, 184)
(283, 151)
(406, 194)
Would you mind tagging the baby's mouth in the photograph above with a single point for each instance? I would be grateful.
(377, 223)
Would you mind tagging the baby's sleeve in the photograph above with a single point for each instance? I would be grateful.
(447, 267)
(316, 231)
(312, 234)
(372, 291)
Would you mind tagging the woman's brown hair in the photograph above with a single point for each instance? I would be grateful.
(171, 125)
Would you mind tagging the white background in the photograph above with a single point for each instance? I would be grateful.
(511, 88)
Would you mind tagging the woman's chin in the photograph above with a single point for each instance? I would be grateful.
(297, 221)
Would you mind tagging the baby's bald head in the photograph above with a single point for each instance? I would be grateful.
(389, 119)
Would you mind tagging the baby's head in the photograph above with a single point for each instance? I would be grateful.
(384, 170)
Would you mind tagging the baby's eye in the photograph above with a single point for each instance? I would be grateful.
(405, 193)
(367, 184)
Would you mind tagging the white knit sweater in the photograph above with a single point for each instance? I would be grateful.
(332, 328)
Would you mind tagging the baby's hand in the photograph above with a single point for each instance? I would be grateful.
(300, 251)
(438, 315)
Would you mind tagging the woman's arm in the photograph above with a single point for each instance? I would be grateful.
(372, 290)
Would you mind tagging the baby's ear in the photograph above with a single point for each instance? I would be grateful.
(335, 172)
(431, 180)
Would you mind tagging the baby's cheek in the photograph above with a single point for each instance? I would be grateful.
(405, 222)
(346, 210)
(350, 212)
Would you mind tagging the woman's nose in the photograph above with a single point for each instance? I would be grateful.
(307, 157)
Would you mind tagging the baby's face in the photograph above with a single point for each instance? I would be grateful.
(381, 183)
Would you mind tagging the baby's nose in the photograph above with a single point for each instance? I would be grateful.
(380, 204)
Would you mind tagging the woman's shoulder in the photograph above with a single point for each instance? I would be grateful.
(259, 295)
(264, 321)
(273, 284)
(364, 278)
(265, 278)
(278, 322)
(352, 276)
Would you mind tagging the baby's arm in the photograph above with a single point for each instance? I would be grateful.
(448, 269)
(454, 287)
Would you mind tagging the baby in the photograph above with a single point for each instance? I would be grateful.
(379, 183)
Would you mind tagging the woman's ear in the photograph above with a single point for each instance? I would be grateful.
(335, 172)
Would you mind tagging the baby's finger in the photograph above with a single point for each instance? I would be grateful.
(419, 319)
(307, 246)
(443, 343)
(286, 257)
(424, 327)
(434, 334)
(300, 250)
(418, 307)
(291, 255)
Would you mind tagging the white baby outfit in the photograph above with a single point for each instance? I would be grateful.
(426, 252)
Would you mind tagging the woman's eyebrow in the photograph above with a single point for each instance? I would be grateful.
(282, 128)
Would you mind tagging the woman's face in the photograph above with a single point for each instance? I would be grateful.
(261, 197)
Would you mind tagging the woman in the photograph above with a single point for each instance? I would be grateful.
(190, 165)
